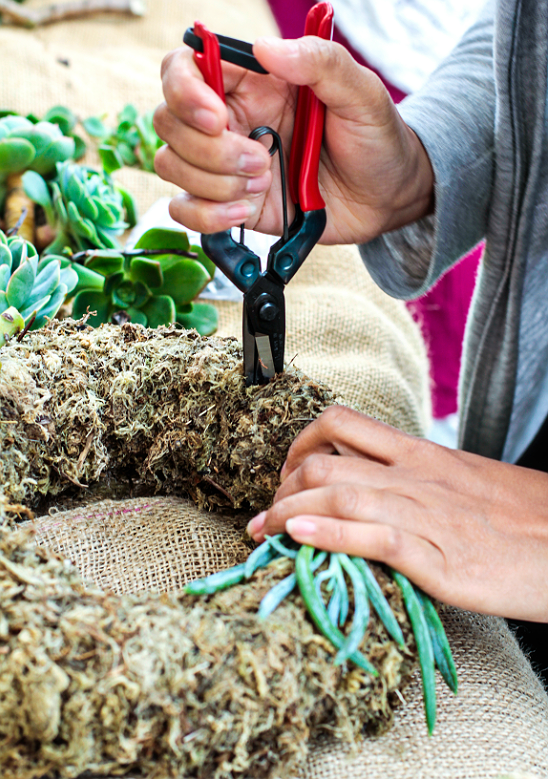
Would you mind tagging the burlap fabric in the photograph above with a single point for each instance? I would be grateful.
(342, 329)
(144, 545)
(496, 726)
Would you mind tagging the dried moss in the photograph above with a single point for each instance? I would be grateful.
(159, 410)
(171, 686)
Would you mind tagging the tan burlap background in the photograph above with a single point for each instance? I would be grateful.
(342, 330)
(498, 723)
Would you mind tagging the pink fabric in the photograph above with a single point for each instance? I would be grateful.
(442, 312)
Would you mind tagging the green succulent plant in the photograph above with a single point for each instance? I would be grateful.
(87, 210)
(153, 284)
(11, 323)
(28, 146)
(64, 118)
(33, 288)
(133, 142)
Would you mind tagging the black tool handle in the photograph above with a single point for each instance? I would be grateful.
(232, 50)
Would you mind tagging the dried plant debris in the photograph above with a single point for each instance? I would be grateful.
(165, 409)
(171, 686)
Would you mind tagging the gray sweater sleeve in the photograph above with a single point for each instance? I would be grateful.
(454, 117)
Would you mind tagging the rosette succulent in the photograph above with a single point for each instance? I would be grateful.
(25, 145)
(33, 288)
(133, 142)
(153, 284)
(87, 210)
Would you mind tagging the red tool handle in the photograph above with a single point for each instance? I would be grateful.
(209, 61)
(304, 160)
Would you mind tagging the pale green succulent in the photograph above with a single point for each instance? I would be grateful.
(11, 323)
(33, 287)
(27, 146)
(87, 210)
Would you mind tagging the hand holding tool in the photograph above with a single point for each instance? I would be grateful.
(264, 302)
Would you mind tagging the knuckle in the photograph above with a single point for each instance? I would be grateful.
(391, 544)
(208, 221)
(340, 535)
(334, 416)
(161, 163)
(325, 55)
(346, 499)
(314, 470)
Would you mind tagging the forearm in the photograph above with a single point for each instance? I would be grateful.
(453, 116)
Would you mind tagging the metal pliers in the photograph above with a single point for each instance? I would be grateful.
(264, 302)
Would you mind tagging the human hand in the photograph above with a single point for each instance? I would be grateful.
(374, 173)
(470, 531)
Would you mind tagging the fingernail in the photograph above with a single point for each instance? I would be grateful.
(250, 163)
(300, 527)
(239, 212)
(256, 524)
(206, 119)
(257, 184)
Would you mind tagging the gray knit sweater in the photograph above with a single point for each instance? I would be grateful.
(482, 120)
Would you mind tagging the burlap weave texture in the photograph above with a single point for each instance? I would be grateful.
(144, 545)
(495, 726)
(343, 330)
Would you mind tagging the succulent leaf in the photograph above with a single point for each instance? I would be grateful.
(88, 279)
(105, 262)
(111, 159)
(61, 116)
(159, 310)
(5, 273)
(37, 190)
(138, 317)
(164, 238)
(33, 307)
(184, 279)
(203, 317)
(16, 154)
(147, 271)
(5, 255)
(51, 308)
(94, 301)
(47, 280)
(130, 206)
(11, 323)
(19, 285)
(95, 127)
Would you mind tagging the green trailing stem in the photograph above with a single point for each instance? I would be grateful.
(432, 645)
(442, 651)
(424, 646)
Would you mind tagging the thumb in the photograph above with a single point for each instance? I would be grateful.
(346, 87)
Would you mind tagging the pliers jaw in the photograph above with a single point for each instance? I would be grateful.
(264, 330)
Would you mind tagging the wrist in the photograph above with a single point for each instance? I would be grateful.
(415, 198)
